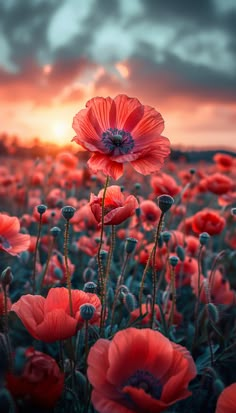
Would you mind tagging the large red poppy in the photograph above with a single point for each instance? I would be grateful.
(121, 130)
(139, 370)
(11, 240)
(227, 400)
(48, 319)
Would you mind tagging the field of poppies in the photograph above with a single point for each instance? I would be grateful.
(117, 285)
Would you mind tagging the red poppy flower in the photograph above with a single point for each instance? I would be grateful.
(139, 370)
(83, 219)
(223, 161)
(218, 289)
(67, 159)
(11, 240)
(183, 271)
(41, 381)
(121, 130)
(56, 272)
(209, 221)
(90, 245)
(150, 214)
(48, 319)
(227, 400)
(219, 184)
(147, 319)
(159, 258)
(117, 208)
(164, 184)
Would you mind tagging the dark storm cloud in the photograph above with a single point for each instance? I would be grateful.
(197, 11)
(24, 24)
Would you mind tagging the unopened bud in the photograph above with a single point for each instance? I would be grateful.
(68, 212)
(87, 311)
(41, 209)
(180, 251)
(130, 245)
(204, 238)
(6, 277)
(165, 202)
(55, 231)
(90, 287)
(173, 260)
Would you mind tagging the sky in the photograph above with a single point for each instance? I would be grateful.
(176, 55)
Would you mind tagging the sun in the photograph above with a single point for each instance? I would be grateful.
(60, 131)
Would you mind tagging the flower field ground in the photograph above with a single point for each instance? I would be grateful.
(118, 283)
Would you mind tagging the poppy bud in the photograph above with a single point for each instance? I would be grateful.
(88, 274)
(55, 231)
(130, 302)
(192, 171)
(110, 296)
(137, 185)
(180, 252)
(173, 260)
(160, 241)
(58, 273)
(87, 311)
(130, 245)
(218, 386)
(60, 258)
(60, 203)
(204, 238)
(24, 257)
(41, 209)
(68, 212)
(166, 236)
(6, 277)
(103, 255)
(165, 202)
(122, 188)
(233, 211)
(90, 287)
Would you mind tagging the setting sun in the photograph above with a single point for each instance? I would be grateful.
(60, 130)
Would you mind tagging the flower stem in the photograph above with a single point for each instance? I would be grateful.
(35, 254)
(151, 258)
(173, 292)
(68, 275)
(46, 265)
(100, 265)
(108, 266)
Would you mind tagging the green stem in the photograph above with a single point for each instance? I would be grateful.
(35, 254)
(150, 258)
(173, 292)
(68, 275)
(108, 266)
(46, 265)
(154, 278)
(100, 266)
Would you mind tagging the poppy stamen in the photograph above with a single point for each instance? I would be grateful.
(117, 141)
(142, 379)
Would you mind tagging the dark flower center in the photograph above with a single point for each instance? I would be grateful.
(150, 216)
(4, 242)
(142, 379)
(117, 141)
